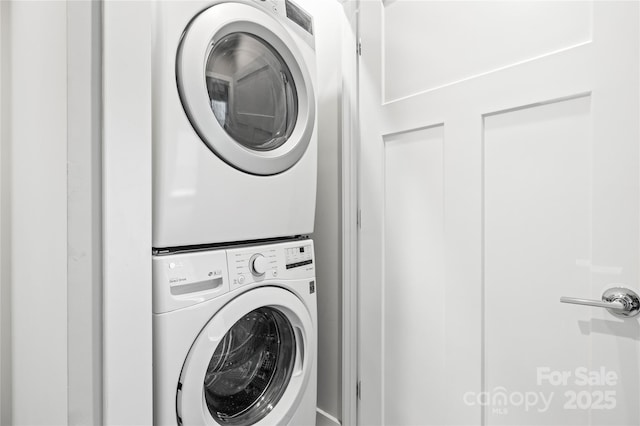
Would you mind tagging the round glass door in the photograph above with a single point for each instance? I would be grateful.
(245, 88)
(250, 368)
(252, 91)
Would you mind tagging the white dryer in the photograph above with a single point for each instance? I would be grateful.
(234, 121)
(235, 336)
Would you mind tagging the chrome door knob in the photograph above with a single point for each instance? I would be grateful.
(619, 301)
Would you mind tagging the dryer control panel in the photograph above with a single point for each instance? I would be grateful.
(286, 261)
(274, 6)
(290, 10)
(299, 20)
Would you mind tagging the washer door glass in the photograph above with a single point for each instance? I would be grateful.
(252, 92)
(250, 368)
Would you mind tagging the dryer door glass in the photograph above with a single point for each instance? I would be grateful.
(251, 91)
(250, 368)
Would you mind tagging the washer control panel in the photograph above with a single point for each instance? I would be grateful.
(285, 261)
(183, 279)
(296, 257)
(251, 265)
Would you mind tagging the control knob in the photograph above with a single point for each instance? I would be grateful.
(258, 265)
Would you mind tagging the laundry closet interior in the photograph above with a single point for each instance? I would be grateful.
(327, 212)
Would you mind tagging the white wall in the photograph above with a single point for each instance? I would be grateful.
(327, 235)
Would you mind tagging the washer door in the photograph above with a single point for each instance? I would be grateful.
(245, 88)
(250, 363)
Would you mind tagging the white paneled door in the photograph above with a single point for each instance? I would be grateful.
(499, 172)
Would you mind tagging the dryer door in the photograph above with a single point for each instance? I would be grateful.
(245, 88)
(250, 364)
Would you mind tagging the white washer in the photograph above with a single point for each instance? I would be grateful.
(234, 121)
(235, 336)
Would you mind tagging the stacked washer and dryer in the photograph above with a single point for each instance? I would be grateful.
(235, 158)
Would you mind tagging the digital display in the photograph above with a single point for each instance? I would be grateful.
(298, 256)
(298, 264)
(299, 16)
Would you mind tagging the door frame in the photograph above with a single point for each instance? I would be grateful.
(127, 376)
(350, 176)
(51, 234)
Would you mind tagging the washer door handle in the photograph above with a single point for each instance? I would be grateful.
(299, 363)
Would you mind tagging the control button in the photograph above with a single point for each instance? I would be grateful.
(240, 279)
(258, 264)
(274, 273)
